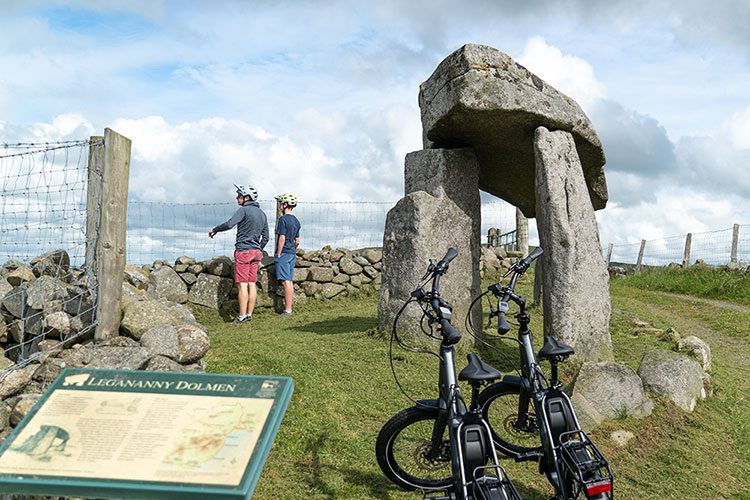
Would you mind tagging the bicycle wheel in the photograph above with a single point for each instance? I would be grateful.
(403, 446)
(499, 403)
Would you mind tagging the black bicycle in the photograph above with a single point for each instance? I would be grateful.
(531, 418)
(439, 446)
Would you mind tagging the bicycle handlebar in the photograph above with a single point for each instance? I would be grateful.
(442, 309)
(442, 266)
(518, 270)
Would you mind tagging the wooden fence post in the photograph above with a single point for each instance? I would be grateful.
(609, 253)
(93, 205)
(639, 264)
(106, 226)
(735, 242)
(686, 254)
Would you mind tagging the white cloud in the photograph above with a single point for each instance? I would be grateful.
(567, 73)
(738, 129)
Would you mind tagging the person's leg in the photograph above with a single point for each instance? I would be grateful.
(252, 294)
(288, 295)
(242, 296)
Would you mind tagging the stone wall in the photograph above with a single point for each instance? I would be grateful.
(322, 274)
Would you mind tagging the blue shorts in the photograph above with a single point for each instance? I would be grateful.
(285, 266)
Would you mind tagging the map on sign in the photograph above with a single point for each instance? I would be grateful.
(146, 428)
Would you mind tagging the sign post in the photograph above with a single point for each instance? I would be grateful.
(141, 434)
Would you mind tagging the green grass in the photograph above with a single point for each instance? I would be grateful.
(344, 392)
(700, 281)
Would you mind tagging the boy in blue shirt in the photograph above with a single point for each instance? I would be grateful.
(285, 254)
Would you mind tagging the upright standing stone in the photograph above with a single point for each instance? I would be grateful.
(522, 232)
(419, 228)
(575, 289)
(452, 174)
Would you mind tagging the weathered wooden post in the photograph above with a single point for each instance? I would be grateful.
(735, 242)
(639, 264)
(686, 254)
(609, 253)
(106, 224)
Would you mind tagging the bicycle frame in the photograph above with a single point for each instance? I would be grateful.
(469, 434)
(468, 445)
(565, 447)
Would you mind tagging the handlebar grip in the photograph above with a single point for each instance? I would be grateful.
(524, 264)
(442, 266)
(450, 333)
(503, 326)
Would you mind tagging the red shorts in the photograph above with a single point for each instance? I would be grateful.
(246, 265)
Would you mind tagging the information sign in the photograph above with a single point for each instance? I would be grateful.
(142, 434)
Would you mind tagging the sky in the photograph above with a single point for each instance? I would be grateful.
(319, 98)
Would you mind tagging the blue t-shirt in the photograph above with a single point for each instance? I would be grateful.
(289, 226)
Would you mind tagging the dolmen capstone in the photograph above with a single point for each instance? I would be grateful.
(490, 124)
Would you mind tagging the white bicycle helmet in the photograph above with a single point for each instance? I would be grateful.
(245, 190)
(288, 198)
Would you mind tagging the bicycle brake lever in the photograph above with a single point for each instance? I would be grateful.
(430, 268)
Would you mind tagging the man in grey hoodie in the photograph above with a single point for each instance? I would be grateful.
(252, 236)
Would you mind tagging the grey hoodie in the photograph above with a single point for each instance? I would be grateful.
(252, 227)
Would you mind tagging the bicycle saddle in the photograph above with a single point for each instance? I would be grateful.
(478, 370)
(553, 347)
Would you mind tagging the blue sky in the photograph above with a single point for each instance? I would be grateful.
(320, 98)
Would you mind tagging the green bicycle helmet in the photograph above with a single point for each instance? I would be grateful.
(287, 198)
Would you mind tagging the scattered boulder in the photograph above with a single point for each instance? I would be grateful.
(696, 348)
(674, 375)
(606, 391)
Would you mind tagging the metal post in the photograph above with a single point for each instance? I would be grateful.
(639, 264)
(106, 224)
(735, 242)
(686, 255)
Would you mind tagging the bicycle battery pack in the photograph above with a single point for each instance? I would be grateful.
(559, 414)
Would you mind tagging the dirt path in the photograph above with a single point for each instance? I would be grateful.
(727, 351)
(715, 303)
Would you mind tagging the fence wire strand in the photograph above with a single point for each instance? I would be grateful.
(711, 247)
(43, 289)
(165, 231)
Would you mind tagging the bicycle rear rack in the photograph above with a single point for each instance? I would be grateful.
(588, 466)
(493, 486)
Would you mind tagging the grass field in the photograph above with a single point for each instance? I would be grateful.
(344, 392)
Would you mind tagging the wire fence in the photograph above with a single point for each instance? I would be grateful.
(712, 247)
(43, 288)
(165, 231)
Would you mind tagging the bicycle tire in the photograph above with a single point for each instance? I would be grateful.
(414, 426)
(499, 403)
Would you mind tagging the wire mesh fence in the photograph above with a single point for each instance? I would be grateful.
(712, 247)
(169, 230)
(43, 286)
